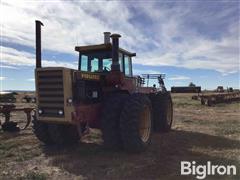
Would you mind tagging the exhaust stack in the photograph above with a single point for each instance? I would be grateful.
(107, 37)
(115, 57)
(38, 44)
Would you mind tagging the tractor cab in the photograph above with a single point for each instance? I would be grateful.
(98, 58)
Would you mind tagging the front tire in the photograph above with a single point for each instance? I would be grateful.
(136, 123)
(63, 134)
(110, 121)
(55, 134)
(40, 129)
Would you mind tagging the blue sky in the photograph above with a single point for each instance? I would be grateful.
(189, 41)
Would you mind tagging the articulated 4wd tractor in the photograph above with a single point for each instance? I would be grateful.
(102, 94)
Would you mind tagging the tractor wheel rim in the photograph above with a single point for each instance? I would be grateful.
(145, 124)
(169, 114)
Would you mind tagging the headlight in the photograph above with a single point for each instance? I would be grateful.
(40, 111)
(60, 112)
(69, 100)
(95, 94)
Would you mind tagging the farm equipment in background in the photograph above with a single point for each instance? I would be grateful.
(229, 89)
(215, 98)
(7, 107)
(29, 99)
(8, 97)
(211, 98)
(102, 94)
(220, 89)
(8, 125)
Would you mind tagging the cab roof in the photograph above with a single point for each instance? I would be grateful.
(101, 47)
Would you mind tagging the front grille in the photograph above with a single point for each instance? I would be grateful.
(50, 92)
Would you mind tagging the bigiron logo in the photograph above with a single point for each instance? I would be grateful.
(202, 171)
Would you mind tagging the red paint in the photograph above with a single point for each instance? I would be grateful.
(91, 114)
(88, 114)
(130, 84)
(114, 78)
(146, 90)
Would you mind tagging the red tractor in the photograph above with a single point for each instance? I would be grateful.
(102, 94)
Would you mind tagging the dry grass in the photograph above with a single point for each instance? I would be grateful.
(199, 133)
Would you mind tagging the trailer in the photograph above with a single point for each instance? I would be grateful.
(186, 89)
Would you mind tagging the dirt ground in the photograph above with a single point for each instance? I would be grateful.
(199, 133)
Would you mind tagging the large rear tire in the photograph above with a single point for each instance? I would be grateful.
(110, 121)
(162, 112)
(136, 123)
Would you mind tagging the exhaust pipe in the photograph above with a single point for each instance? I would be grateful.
(115, 57)
(107, 37)
(38, 44)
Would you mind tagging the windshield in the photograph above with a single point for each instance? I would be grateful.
(95, 61)
(102, 61)
(95, 64)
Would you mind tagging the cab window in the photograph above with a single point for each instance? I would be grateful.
(84, 62)
(121, 61)
(94, 65)
(107, 64)
(128, 66)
